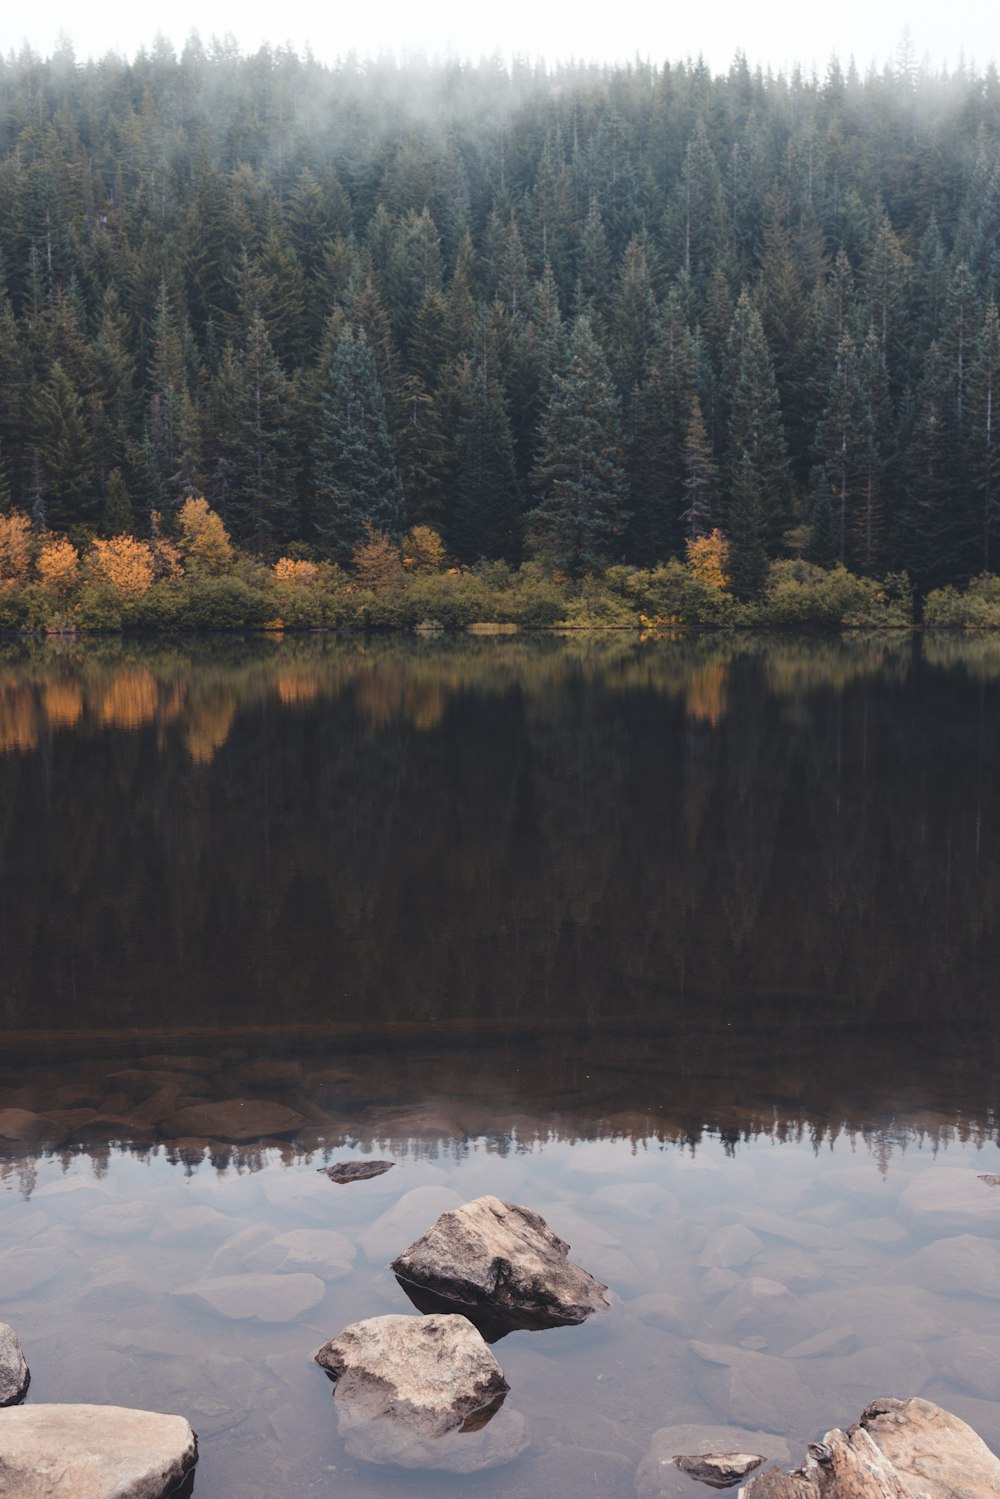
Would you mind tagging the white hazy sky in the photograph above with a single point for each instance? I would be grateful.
(789, 31)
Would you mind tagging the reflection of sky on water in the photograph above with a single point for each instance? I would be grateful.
(760, 1249)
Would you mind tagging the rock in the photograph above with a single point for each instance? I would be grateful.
(119, 1220)
(658, 1476)
(355, 1171)
(964, 1265)
(641, 1201)
(22, 1127)
(901, 1449)
(400, 1222)
(504, 1259)
(269, 1070)
(429, 1375)
(758, 1305)
(937, 1455)
(93, 1452)
(662, 1309)
(950, 1198)
(24, 1270)
(755, 1389)
(321, 1251)
(720, 1470)
(189, 1225)
(976, 1370)
(729, 1247)
(504, 1438)
(14, 1376)
(824, 1344)
(257, 1298)
(235, 1119)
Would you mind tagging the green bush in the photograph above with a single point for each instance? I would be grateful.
(99, 607)
(670, 594)
(226, 603)
(597, 607)
(23, 607)
(452, 600)
(800, 593)
(976, 607)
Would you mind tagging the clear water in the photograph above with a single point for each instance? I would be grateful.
(688, 945)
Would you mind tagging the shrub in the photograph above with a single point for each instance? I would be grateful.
(801, 593)
(225, 604)
(204, 540)
(976, 607)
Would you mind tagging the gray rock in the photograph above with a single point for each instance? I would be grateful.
(976, 1370)
(729, 1247)
(257, 1298)
(950, 1198)
(964, 1265)
(505, 1259)
(14, 1376)
(658, 1476)
(755, 1389)
(320, 1251)
(235, 1119)
(833, 1340)
(93, 1452)
(500, 1441)
(720, 1470)
(937, 1455)
(24, 1270)
(429, 1375)
(22, 1127)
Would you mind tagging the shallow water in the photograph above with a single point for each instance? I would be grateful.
(689, 946)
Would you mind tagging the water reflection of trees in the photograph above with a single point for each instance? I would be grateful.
(713, 864)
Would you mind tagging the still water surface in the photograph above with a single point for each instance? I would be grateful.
(690, 946)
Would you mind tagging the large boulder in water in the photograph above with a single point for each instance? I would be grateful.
(496, 1257)
(92, 1452)
(901, 1449)
(14, 1374)
(429, 1375)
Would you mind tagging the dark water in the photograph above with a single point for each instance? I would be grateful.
(691, 946)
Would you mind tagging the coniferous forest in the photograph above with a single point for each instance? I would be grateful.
(580, 315)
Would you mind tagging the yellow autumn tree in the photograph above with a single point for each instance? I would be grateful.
(295, 574)
(125, 564)
(376, 561)
(15, 548)
(707, 558)
(58, 565)
(204, 540)
(423, 550)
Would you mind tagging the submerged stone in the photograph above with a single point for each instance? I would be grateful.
(14, 1376)
(355, 1171)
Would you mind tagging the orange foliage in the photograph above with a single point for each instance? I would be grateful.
(125, 564)
(204, 540)
(295, 574)
(15, 547)
(423, 550)
(376, 560)
(58, 564)
(707, 558)
(129, 701)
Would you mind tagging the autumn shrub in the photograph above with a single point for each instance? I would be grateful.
(376, 562)
(293, 572)
(974, 607)
(707, 558)
(15, 548)
(423, 550)
(204, 540)
(671, 594)
(122, 563)
(58, 565)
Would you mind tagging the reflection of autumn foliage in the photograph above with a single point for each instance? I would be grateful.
(706, 694)
(295, 574)
(379, 696)
(63, 700)
(58, 564)
(209, 721)
(125, 564)
(15, 547)
(707, 558)
(425, 706)
(129, 700)
(293, 689)
(18, 718)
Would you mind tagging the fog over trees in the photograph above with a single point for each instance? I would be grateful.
(580, 314)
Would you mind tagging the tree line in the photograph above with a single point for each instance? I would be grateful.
(583, 315)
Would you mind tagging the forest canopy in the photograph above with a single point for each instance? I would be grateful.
(583, 315)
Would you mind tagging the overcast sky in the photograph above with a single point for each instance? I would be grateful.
(791, 31)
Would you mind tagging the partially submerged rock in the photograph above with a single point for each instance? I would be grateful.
(659, 1475)
(720, 1470)
(14, 1376)
(901, 1449)
(494, 1256)
(93, 1452)
(428, 1375)
(355, 1171)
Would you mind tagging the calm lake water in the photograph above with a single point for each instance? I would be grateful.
(691, 946)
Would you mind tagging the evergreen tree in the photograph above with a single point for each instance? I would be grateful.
(355, 480)
(700, 476)
(486, 517)
(262, 507)
(754, 419)
(579, 477)
(984, 436)
(747, 552)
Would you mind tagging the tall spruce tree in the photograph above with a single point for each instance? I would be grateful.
(579, 476)
(754, 425)
(485, 521)
(355, 480)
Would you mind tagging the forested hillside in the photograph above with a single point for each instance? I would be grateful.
(580, 314)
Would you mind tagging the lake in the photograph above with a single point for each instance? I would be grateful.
(690, 945)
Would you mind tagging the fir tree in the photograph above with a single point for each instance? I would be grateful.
(747, 552)
(486, 517)
(579, 476)
(355, 480)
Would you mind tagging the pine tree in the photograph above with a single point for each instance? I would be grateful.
(754, 426)
(579, 476)
(701, 476)
(747, 552)
(262, 508)
(657, 495)
(984, 436)
(486, 515)
(355, 480)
